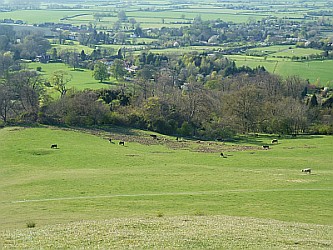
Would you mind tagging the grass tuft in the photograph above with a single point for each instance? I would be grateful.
(31, 224)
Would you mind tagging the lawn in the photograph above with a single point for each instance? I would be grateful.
(89, 179)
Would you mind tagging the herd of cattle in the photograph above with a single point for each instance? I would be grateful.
(266, 147)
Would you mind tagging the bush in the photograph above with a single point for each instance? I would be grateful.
(31, 224)
(322, 129)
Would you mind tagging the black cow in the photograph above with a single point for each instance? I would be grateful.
(265, 147)
(154, 136)
(275, 141)
(54, 146)
(122, 143)
(222, 155)
(306, 170)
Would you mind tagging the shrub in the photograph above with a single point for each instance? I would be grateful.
(159, 214)
(31, 224)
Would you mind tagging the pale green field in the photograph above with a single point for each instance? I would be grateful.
(297, 52)
(169, 11)
(76, 47)
(90, 192)
(319, 72)
(40, 16)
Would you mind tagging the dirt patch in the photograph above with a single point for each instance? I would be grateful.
(145, 138)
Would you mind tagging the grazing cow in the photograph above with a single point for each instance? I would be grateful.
(306, 170)
(54, 146)
(222, 155)
(265, 147)
(275, 141)
(122, 143)
(154, 136)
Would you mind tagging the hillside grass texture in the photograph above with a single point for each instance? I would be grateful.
(175, 193)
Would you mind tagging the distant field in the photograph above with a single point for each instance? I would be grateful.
(40, 16)
(150, 13)
(316, 71)
(286, 51)
(75, 47)
(150, 187)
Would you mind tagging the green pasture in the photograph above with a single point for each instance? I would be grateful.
(76, 47)
(148, 185)
(81, 78)
(40, 16)
(297, 52)
(169, 11)
(286, 51)
(319, 72)
(89, 178)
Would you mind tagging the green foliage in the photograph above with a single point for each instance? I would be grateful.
(185, 130)
(100, 72)
(118, 69)
(322, 129)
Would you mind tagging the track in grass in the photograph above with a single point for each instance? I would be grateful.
(169, 194)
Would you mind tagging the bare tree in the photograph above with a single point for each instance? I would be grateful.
(59, 79)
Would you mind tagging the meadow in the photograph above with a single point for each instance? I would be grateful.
(317, 71)
(80, 78)
(163, 193)
(151, 13)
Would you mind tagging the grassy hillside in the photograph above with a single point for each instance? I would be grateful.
(120, 195)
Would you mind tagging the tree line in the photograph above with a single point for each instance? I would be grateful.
(201, 95)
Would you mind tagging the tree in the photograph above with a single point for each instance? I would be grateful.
(122, 16)
(144, 78)
(132, 22)
(245, 108)
(6, 61)
(100, 72)
(4, 42)
(6, 103)
(74, 59)
(54, 54)
(83, 55)
(29, 91)
(118, 70)
(59, 79)
(34, 45)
